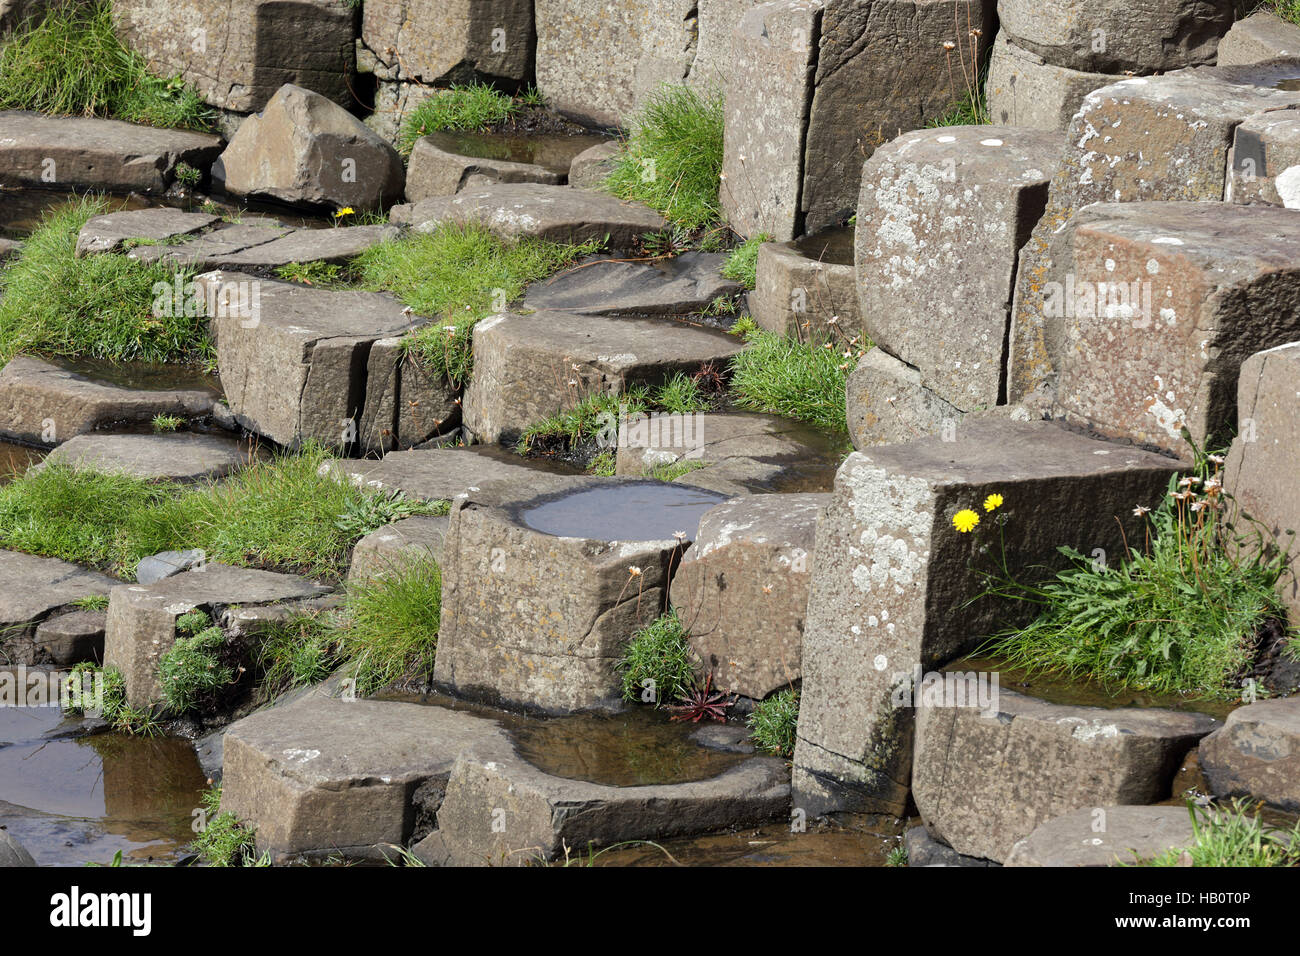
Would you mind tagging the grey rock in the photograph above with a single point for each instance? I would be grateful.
(1023, 89)
(1104, 836)
(166, 564)
(1256, 754)
(449, 41)
(887, 403)
(33, 588)
(925, 850)
(111, 232)
(1264, 165)
(436, 474)
(407, 403)
(1257, 38)
(434, 171)
(71, 638)
(650, 441)
(682, 285)
(396, 546)
(182, 456)
(593, 165)
(9, 249)
(262, 249)
(799, 295)
(13, 853)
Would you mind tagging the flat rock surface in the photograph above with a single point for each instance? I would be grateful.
(514, 210)
(436, 474)
(395, 546)
(708, 437)
(1104, 836)
(111, 232)
(181, 456)
(31, 587)
(681, 285)
(261, 248)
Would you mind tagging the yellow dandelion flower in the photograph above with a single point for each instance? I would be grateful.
(992, 502)
(345, 211)
(965, 520)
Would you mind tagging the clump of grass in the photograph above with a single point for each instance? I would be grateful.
(742, 263)
(102, 306)
(114, 709)
(167, 423)
(897, 856)
(390, 626)
(459, 274)
(473, 107)
(192, 671)
(671, 471)
(70, 62)
(673, 159)
(1232, 836)
(1180, 614)
(962, 54)
(657, 664)
(223, 840)
(296, 652)
(372, 511)
(603, 465)
(91, 602)
(780, 375)
(322, 274)
(1288, 10)
(773, 721)
(682, 394)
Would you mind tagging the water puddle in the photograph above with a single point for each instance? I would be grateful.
(622, 511)
(552, 151)
(143, 376)
(21, 210)
(1086, 693)
(833, 246)
(72, 800)
(16, 459)
(771, 845)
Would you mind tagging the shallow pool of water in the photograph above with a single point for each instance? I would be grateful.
(833, 246)
(72, 800)
(16, 459)
(552, 151)
(146, 376)
(622, 511)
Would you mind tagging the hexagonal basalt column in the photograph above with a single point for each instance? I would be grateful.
(544, 581)
(892, 579)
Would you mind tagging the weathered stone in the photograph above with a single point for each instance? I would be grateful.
(183, 456)
(538, 619)
(682, 285)
(436, 474)
(742, 590)
(893, 577)
(1257, 754)
(396, 546)
(650, 441)
(70, 638)
(238, 54)
(407, 401)
(302, 148)
(805, 295)
(736, 477)
(435, 171)
(33, 588)
(47, 403)
(450, 41)
(13, 853)
(887, 404)
(1264, 165)
(593, 165)
(1259, 37)
(1023, 89)
(1104, 836)
(318, 776)
(141, 624)
(925, 850)
(1265, 453)
(394, 104)
(542, 816)
(816, 87)
(228, 239)
(293, 367)
(333, 246)
(1114, 36)
(942, 216)
(715, 21)
(100, 153)
(111, 232)
(528, 367)
(165, 564)
(1156, 138)
(1191, 290)
(513, 210)
(983, 780)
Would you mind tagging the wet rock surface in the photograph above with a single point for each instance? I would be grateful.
(682, 285)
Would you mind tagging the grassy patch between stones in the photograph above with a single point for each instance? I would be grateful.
(192, 670)
(673, 160)
(742, 263)
(773, 723)
(1232, 836)
(70, 62)
(222, 839)
(1182, 613)
(113, 707)
(658, 665)
(460, 274)
(473, 107)
(102, 306)
(1288, 10)
(782, 376)
(279, 514)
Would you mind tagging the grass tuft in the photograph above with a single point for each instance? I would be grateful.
(773, 723)
(223, 840)
(658, 664)
(101, 306)
(472, 107)
(782, 376)
(1232, 836)
(70, 62)
(742, 263)
(673, 159)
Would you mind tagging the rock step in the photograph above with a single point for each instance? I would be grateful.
(437, 474)
(261, 249)
(111, 231)
(32, 590)
(529, 367)
(1256, 754)
(1257, 38)
(436, 171)
(650, 441)
(393, 547)
(682, 285)
(514, 210)
(1104, 836)
(99, 153)
(1023, 89)
(182, 456)
(45, 403)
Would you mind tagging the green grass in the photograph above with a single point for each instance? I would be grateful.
(658, 665)
(1232, 836)
(224, 841)
(114, 710)
(459, 274)
(278, 514)
(970, 111)
(782, 376)
(673, 470)
(92, 602)
(1288, 10)
(296, 652)
(166, 423)
(897, 856)
(773, 723)
(742, 263)
(472, 107)
(673, 159)
(102, 306)
(1180, 614)
(71, 63)
(322, 274)
(192, 672)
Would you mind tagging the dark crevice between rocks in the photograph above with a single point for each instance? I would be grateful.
(814, 45)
